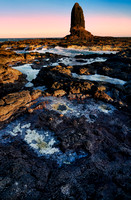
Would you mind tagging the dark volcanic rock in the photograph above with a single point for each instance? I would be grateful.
(59, 81)
(103, 174)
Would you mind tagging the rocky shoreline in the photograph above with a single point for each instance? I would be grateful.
(65, 122)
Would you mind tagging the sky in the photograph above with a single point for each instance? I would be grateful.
(51, 18)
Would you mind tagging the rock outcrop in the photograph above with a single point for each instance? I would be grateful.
(11, 80)
(8, 75)
(16, 103)
(77, 29)
(11, 103)
(77, 16)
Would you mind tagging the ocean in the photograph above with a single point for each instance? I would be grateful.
(18, 39)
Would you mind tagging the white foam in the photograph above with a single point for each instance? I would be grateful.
(72, 61)
(71, 51)
(26, 69)
(97, 77)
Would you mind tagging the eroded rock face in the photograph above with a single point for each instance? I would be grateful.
(12, 103)
(77, 16)
(7, 56)
(16, 103)
(8, 75)
(11, 80)
(77, 29)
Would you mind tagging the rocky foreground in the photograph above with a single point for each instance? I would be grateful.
(72, 139)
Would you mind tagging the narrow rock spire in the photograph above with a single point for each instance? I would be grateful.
(77, 16)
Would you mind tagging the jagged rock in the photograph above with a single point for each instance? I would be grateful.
(12, 103)
(11, 80)
(63, 70)
(59, 93)
(103, 96)
(59, 78)
(15, 102)
(7, 56)
(8, 75)
(36, 94)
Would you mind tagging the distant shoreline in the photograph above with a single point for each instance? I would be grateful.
(18, 39)
(53, 38)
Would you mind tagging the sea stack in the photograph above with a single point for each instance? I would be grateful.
(77, 29)
(77, 17)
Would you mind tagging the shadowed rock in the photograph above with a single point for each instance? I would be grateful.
(77, 29)
(77, 16)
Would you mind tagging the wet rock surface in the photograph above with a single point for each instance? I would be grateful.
(60, 80)
(72, 140)
(106, 166)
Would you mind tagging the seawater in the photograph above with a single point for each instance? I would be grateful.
(101, 78)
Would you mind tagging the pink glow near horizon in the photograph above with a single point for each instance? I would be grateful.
(109, 25)
(58, 26)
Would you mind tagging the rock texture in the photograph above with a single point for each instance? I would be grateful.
(77, 16)
(8, 75)
(78, 24)
(16, 103)
(103, 174)
(11, 80)
(11, 103)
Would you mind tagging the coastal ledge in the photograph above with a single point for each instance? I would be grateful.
(98, 43)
